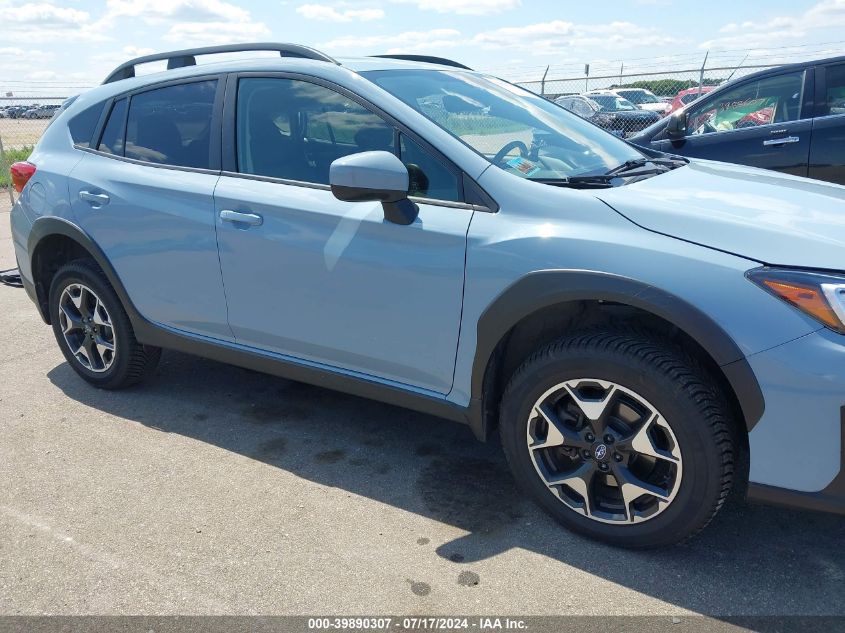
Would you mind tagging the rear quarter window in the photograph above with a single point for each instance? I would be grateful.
(82, 125)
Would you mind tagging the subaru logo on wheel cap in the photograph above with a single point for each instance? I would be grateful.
(601, 451)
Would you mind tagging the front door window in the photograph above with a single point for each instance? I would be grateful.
(763, 102)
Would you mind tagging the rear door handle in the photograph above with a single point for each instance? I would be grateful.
(94, 199)
(780, 141)
(252, 219)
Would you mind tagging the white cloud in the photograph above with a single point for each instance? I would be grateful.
(191, 22)
(195, 33)
(44, 22)
(330, 14)
(464, 7)
(558, 35)
(828, 14)
(178, 10)
(42, 15)
(407, 42)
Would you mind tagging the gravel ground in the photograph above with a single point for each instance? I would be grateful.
(216, 490)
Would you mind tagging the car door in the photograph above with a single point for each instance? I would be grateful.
(332, 282)
(763, 122)
(827, 157)
(144, 192)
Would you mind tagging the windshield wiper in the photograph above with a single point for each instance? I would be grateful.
(641, 166)
(629, 169)
(578, 182)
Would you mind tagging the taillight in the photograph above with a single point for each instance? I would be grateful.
(21, 173)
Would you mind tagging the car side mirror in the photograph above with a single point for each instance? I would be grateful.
(369, 176)
(676, 126)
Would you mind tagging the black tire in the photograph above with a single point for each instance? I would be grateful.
(666, 377)
(132, 361)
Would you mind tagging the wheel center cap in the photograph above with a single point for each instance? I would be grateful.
(600, 451)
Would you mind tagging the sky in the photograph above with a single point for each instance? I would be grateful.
(75, 43)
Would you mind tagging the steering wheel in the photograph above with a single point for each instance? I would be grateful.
(500, 155)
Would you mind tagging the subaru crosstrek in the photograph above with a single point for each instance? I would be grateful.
(645, 332)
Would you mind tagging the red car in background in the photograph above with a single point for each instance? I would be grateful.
(688, 96)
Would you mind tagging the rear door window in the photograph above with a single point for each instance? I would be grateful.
(835, 94)
(172, 125)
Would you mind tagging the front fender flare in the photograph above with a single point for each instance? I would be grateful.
(546, 288)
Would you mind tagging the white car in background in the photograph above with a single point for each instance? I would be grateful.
(642, 98)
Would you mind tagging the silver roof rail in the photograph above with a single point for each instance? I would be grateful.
(427, 59)
(187, 57)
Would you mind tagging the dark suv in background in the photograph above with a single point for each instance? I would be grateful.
(790, 118)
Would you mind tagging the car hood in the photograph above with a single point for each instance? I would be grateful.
(762, 215)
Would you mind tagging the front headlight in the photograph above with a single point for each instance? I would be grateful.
(819, 295)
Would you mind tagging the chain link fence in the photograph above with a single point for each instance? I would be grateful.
(23, 118)
(625, 104)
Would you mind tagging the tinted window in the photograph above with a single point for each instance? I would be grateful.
(638, 96)
(428, 177)
(612, 103)
(82, 126)
(172, 125)
(765, 101)
(835, 102)
(294, 129)
(111, 141)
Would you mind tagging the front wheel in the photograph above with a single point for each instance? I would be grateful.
(619, 437)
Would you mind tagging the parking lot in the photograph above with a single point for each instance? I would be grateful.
(213, 490)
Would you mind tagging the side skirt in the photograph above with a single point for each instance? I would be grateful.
(276, 365)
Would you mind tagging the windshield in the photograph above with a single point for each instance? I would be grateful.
(514, 129)
(613, 103)
(639, 96)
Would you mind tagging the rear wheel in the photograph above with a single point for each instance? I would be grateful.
(619, 437)
(93, 330)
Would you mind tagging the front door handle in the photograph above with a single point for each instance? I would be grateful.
(780, 141)
(94, 199)
(252, 219)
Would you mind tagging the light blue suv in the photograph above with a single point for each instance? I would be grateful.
(645, 332)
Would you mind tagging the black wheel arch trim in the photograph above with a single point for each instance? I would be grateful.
(46, 227)
(546, 288)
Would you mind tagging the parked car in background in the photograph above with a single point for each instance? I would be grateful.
(643, 99)
(609, 111)
(40, 112)
(687, 96)
(15, 111)
(790, 119)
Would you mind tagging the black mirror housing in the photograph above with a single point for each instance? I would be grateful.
(676, 126)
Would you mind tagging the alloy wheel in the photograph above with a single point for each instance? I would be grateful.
(87, 328)
(604, 451)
